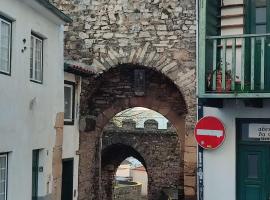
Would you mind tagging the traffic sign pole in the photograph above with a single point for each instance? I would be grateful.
(200, 160)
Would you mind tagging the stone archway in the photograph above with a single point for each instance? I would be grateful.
(157, 150)
(112, 156)
(157, 34)
(108, 94)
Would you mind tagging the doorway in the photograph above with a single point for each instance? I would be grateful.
(253, 160)
(67, 180)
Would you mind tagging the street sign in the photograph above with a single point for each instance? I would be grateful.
(209, 132)
(259, 131)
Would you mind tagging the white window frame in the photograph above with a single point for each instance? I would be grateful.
(70, 121)
(2, 19)
(6, 172)
(34, 69)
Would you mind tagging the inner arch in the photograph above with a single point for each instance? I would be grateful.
(117, 153)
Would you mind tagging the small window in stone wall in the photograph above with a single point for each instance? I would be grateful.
(69, 101)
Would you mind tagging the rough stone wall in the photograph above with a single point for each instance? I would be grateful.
(157, 149)
(131, 192)
(114, 92)
(153, 33)
(156, 34)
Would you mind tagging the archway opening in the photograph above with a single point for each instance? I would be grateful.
(148, 137)
(131, 180)
(120, 88)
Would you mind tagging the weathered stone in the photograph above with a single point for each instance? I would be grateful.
(107, 35)
(161, 27)
(157, 149)
(144, 35)
(101, 28)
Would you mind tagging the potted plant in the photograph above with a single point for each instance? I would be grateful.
(218, 72)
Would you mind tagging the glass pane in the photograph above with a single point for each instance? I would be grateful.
(260, 29)
(261, 15)
(38, 57)
(252, 166)
(3, 162)
(2, 188)
(5, 41)
(68, 102)
(36, 64)
(31, 57)
(260, 3)
(2, 175)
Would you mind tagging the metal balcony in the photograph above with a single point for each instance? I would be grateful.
(230, 66)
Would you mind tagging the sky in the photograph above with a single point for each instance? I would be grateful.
(140, 115)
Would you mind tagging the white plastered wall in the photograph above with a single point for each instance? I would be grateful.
(220, 164)
(71, 133)
(24, 127)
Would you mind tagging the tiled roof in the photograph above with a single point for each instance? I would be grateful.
(77, 68)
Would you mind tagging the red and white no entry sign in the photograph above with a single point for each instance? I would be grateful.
(209, 132)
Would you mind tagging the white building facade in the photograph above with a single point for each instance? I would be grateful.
(70, 157)
(234, 86)
(31, 86)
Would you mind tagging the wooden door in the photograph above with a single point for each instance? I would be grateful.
(67, 180)
(253, 172)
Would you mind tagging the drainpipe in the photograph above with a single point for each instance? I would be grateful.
(200, 182)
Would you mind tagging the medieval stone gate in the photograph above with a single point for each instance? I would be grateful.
(157, 149)
(123, 41)
(115, 91)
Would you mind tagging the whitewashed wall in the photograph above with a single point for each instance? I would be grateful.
(71, 133)
(124, 171)
(220, 164)
(140, 176)
(23, 128)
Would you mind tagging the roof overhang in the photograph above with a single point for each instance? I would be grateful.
(54, 10)
(45, 8)
(77, 69)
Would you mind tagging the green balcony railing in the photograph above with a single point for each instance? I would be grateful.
(236, 66)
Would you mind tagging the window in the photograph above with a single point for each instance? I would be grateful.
(69, 102)
(5, 46)
(35, 167)
(36, 59)
(261, 22)
(3, 176)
